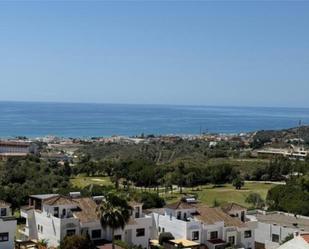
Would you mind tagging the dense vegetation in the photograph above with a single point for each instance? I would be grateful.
(292, 197)
(20, 178)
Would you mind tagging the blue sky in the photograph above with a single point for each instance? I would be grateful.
(199, 53)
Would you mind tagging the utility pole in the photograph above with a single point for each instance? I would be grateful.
(299, 125)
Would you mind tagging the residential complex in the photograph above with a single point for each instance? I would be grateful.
(52, 217)
(212, 227)
(7, 226)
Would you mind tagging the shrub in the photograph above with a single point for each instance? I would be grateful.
(165, 237)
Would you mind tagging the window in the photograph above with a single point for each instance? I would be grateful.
(242, 217)
(137, 211)
(3, 212)
(178, 215)
(231, 240)
(220, 247)
(159, 229)
(214, 235)
(248, 234)
(64, 211)
(185, 216)
(56, 211)
(4, 237)
(275, 238)
(71, 232)
(117, 237)
(96, 234)
(195, 235)
(163, 229)
(140, 232)
(40, 229)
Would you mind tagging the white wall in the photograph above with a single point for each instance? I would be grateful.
(264, 231)
(54, 229)
(145, 223)
(8, 226)
(247, 242)
(170, 224)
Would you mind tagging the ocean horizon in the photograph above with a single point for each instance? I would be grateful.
(37, 119)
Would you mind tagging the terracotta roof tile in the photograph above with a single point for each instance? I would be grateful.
(180, 205)
(59, 200)
(228, 207)
(305, 237)
(87, 211)
(213, 215)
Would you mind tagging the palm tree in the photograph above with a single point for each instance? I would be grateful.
(114, 215)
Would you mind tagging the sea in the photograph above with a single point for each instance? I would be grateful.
(34, 119)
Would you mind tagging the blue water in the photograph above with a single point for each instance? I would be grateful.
(86, 120)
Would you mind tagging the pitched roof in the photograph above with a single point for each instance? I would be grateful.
(305, 237)
(4, 204)
(180, 205)
(154, 210)
(87, 210)
(231, 207)
(213, 215)
(59, 200)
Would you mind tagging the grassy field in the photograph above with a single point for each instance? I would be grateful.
(226, 193)
(206, 194)
(83, 181)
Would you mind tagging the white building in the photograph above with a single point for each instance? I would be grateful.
(272, 228)
(7, 226)
(52, 217)
(202, 224)
(299, 242)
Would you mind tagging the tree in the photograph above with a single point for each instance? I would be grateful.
(222, 173)
(238, 182)
(255, 200)
(114, 213)
(215, 203)
(76, 242)
(165, 237)
(179, 176)
(289, 198)
(150, 200)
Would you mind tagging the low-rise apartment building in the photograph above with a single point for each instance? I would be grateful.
(52, 217)
(10, 149)
(211, 227)
(7, 226)
(272, 228)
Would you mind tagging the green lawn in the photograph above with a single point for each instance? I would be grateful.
(225, 193)
(206, 193)
(83, 181)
